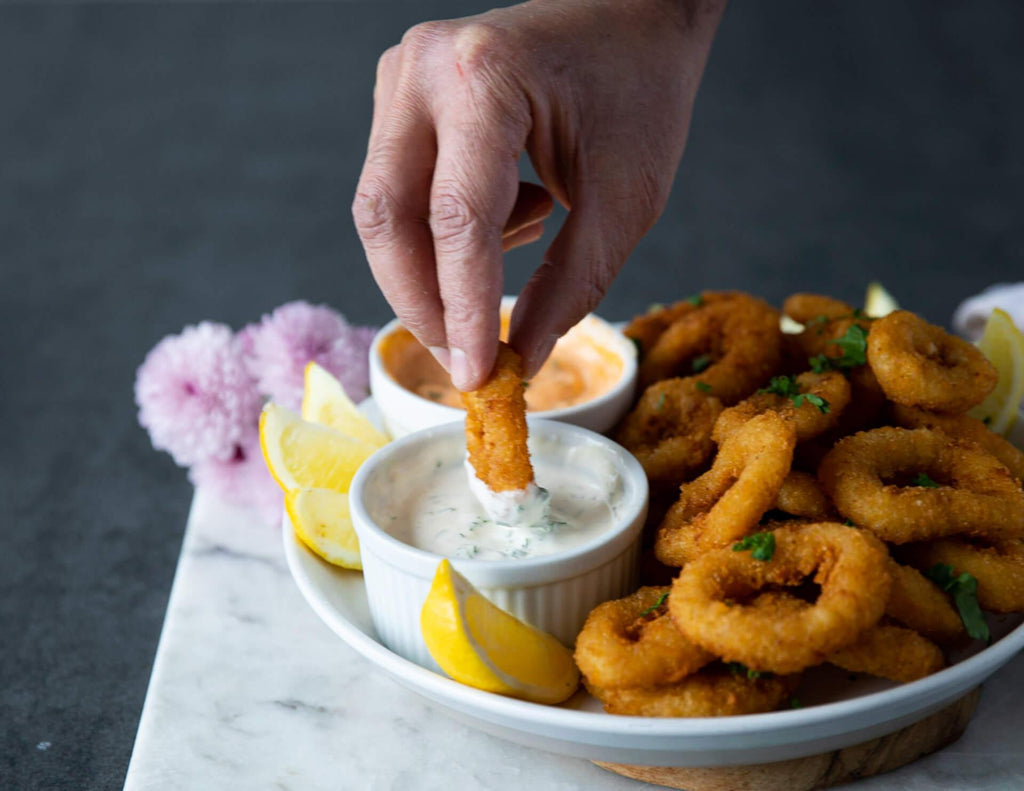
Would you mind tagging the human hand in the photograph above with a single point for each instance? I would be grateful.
(598, 92)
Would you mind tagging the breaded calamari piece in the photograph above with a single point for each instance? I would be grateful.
(496, 430)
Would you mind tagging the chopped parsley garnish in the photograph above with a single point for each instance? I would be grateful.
(656, 605)
(964, 590)
(811, 398)
(661, 402)
(761, 546)
(820, 364)
(525, 384)
(700, 363)
(740, 669)
(787, 387)
(849, 523)
(654, 307)
(922, 479)
(853, 347)
(794, 703)
(704, 387)
(696, 300)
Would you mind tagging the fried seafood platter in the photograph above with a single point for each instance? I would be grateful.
(825, 509)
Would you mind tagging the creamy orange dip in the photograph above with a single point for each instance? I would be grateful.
(578, 370)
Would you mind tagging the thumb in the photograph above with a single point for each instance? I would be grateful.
(578, 269)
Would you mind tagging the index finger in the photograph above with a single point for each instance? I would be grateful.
(476, 180)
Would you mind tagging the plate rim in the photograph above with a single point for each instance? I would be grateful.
(984, 662)
(923, 695)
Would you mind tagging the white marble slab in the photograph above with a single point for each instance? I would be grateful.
(251, 691)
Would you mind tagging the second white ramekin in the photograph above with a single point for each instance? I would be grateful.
(404, 411)
(552, 592)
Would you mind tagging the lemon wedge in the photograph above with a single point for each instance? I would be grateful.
(323, 523)
(483, 646)
(789, 326)
(878, 302)
(325, 401)
(300, 454)
(1003, 344)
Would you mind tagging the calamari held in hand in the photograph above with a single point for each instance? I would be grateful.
(500, 472)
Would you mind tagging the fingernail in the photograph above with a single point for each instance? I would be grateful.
(441, 355)
(462, 374)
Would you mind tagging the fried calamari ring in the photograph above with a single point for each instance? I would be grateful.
(632, 642)
(707, 599)
(825, 321)
(726, 502)
(669, 430)
(963, 427)
(810, 419)
(713, 692)
(883, 650)
(890, 652)
(496, 430)
(870, 478)
(646, 328)
(801, 495)
(806, 308)
(919, 364)
(918, 603)
(998, 567)
(729, 345)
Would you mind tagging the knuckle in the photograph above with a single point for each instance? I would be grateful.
(387, 62)
(454, 221)
(425, 36)
(480, 47)
(419, 318)
(461, 314)
(375, 212)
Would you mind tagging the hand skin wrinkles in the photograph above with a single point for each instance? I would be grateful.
(599, 94)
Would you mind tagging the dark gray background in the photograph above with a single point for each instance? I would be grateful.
(170, 162)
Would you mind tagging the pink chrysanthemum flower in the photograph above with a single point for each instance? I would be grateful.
(242, 479)
(279, 347)
(195, 395)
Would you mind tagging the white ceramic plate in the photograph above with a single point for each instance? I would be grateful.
(839, 710)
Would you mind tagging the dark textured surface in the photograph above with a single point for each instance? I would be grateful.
(162, 164)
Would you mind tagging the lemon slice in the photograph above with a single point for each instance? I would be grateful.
(300, 454)
(323, 523)
(325, 401)
(1003, 344)
(878, 302)
(483, 646)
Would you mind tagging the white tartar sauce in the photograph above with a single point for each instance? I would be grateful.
(427, 502)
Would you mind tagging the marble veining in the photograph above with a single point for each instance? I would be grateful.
(251, 691)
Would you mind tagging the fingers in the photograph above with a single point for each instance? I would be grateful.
(392, 205)
(578, 268)
(531, 233)
(533, 204)
(525, 224)
(474, 191)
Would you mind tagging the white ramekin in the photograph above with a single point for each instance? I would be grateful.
(552, 592)
(404, 411)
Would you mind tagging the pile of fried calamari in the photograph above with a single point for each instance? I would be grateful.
(824, 496)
